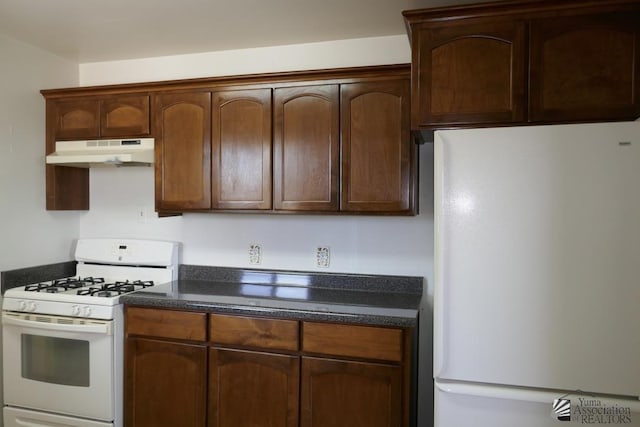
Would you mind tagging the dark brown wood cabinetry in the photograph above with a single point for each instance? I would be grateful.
(377, 154)
(87, 117)
(251, 388)
(182, 128)
(100, 117)
(166, 367)
(306, 144)
(261, 371)
(471, 73)
(334, 141)
(350, 394)
(525, 62)
(241, 149)
(586, 67)
(250, 381)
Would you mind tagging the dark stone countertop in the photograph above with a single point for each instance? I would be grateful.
(42, 273)
(348, 298)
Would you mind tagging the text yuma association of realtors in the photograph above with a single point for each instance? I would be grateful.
(592, 411)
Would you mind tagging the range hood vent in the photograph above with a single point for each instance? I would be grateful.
(103, 152)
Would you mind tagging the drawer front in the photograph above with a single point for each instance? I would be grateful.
(353, 341)
(166, 323)
(254, 332)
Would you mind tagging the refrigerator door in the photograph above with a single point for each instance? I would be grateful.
(457, 405)
(537, 270)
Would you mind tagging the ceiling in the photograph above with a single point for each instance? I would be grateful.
(106, 30)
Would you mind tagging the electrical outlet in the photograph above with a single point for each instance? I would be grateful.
(255, 254)
(141, 215)
(144, 214)
(322, 256)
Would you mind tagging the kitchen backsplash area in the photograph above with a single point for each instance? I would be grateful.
(122, 204)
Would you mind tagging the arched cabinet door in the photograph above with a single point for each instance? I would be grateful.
(182, 151)
(377, 154)
(472, 73)
(306, 141)
(75, 118)
(124, 116)
(241, 149)
(585, 67)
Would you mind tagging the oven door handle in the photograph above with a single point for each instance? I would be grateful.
(103, 328)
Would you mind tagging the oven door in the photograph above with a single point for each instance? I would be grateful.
(59, 364)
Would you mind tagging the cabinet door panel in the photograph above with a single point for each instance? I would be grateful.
(350, 394)
(585, 68)
(253, 389)
(377, 153)
(124, 116)
(165, 384)
(76, 119)
(469, 74)
(183, 151)
(306, 132)
(241, 149)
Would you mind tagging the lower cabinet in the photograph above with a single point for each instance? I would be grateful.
(340, 393)
(232, 371)
(165, 384)
(248, 388)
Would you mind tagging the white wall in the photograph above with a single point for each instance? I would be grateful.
(29, 235)
(309, 56)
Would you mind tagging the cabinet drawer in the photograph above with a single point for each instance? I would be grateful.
(254, 332)
(350, 340)
(166, 323)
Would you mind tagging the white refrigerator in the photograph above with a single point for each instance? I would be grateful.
(537, 276)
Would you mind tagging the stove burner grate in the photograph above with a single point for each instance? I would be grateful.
(61, 285)
(107, 290)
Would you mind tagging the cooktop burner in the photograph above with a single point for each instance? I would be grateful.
(91, 286)
(107, 290)
(62, 285)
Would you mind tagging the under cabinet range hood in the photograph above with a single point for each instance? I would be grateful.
(103, 152)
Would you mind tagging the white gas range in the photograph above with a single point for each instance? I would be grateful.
(63, 339)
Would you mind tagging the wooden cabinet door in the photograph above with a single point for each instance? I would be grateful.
(124, 116)
(377, 153)
(585, 67)
(253, 389)
(469, 74)
(350, 394)
(241, 149)
(165, 384)
(76, 118)
(182, 128)
(306, 133)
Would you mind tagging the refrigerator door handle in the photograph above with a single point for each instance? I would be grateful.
(529, 395)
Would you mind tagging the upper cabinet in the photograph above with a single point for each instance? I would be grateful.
(241, 149)
(306, 144)
(182, 128)
(377, 153)
(469, 73)
(586, 67)
(100, 117)
(124, 116)
(522, 62)
(325, 142)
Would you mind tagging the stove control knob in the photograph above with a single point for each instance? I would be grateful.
(32, 306)
(87, 311)
(22, 305)
(75, 310)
